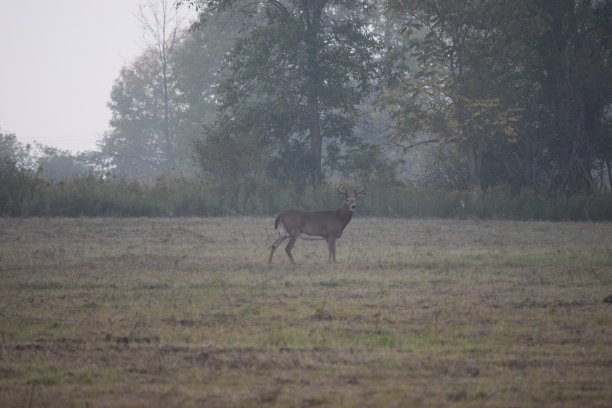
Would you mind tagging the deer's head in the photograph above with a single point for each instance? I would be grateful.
(350, 199)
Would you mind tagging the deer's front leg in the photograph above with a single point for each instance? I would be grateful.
(331, 246)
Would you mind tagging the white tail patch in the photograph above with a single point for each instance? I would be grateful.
(282, 230)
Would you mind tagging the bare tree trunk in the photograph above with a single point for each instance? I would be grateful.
(313, 10)
(609, 174)
(474, 158)
(162, 27)
(316, 140)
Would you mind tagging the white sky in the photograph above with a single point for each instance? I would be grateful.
(58, 62)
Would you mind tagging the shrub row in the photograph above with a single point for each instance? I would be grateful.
(95, 197)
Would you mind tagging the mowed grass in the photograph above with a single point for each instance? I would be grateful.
(186, 312)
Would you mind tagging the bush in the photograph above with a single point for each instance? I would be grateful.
(91, 196)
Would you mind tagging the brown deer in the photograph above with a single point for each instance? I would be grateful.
(327, 224)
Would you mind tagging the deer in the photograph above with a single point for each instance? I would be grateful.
(326, 224)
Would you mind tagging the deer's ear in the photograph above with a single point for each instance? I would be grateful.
(360, 192)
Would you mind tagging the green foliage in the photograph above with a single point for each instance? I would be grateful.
(17, 175)
(503, 94)
(522, 88)
(295, 78)
(91, 196)
(140, 144)
(513, 100)
(364, 163)
(60, 165)
(160, 101)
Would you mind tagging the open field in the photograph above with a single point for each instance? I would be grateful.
(185, 312)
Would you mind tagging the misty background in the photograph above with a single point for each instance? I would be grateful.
(212, 107)
(59, 62)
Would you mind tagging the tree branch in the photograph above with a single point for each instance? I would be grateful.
(423, 142)
(280, 6)
(404, 148)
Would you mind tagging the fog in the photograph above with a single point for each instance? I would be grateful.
(259, 99)
(59, 61)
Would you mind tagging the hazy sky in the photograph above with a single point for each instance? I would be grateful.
(58, 61)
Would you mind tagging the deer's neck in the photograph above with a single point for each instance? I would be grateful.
(345, 215)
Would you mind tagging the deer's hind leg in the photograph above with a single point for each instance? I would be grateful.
(275, 245)
(289, 247)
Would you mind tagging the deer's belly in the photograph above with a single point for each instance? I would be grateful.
(319, 232)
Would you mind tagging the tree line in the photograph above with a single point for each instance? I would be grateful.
(470, 97)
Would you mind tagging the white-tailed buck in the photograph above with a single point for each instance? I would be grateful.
(327, 224)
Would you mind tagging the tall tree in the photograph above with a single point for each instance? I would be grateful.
(459, 91)
(520, 87)
(17, 174)
(295, 81)
(161, 24)
(199, 69)
(145, 100)
(574, 83)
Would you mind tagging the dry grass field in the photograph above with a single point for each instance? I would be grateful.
(186, 312)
